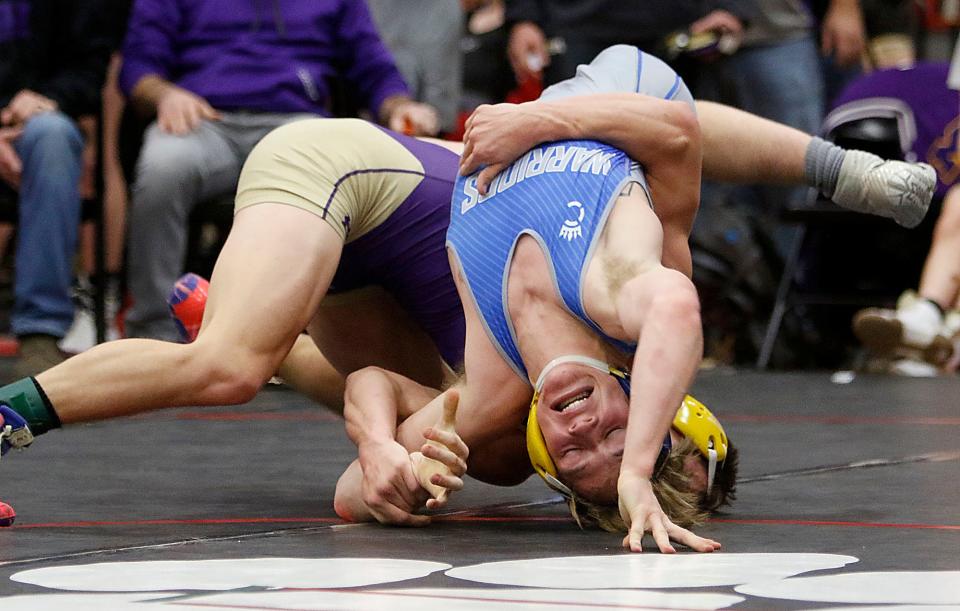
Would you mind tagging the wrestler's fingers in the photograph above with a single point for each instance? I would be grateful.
(660, 535)
(634, 539)
(467, 162)
(443, 455)
(450, 483)
(452, 441)
(390, 514)
(692, 540)
(487, 175)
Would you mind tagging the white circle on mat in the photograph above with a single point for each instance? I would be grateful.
(894, 587)
(468, 599)
(228, 574)
(647, 570)
(82, 602)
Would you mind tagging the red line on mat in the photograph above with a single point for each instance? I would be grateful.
(85, 524)
(837, 523)
(801, 418)
(469, 518)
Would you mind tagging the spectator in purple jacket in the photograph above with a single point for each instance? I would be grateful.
(220, 74)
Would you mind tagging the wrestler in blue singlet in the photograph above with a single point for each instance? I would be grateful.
(555, 193)
(560, 194)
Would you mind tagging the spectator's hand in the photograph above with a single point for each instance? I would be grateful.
(727, 25)
(390, 489)
(495, 136)
(527, 51)
(641, 513)
(843, 33)
(25, 105)
(414, 119)
(179, 111)
(442, 461)
(10, 164)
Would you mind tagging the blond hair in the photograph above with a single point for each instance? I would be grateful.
(671, 488)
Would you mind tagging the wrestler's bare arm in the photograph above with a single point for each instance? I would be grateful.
(658, 308)
(663, 136)
(380, 484)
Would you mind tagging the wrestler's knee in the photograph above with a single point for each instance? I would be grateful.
(228, 376)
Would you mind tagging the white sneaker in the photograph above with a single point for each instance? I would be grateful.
(916, 324)
(82, 334)
(892, 189)
(913, 368)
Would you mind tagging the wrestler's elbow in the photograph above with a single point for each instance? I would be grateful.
(347, 502)
(665, 298)
(684, 136)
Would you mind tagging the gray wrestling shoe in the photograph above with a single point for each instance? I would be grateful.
(892, 189)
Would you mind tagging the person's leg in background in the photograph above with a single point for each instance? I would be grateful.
(780, 82)
(925, 326)
(173, 174)
(49, 204)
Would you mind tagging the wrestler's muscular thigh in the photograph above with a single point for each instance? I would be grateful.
(368, 327)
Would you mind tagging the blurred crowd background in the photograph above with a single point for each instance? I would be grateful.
(123, 128)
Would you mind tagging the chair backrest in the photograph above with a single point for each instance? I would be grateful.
(877, 135)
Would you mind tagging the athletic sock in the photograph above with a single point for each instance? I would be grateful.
(822, 165)
(27, 399)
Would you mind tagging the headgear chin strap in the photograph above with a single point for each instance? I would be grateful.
(537, 446)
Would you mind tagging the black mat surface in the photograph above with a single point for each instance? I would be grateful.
(870, 469)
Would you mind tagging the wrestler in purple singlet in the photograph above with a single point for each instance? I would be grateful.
(406, 254)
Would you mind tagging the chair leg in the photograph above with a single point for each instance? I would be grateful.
(781, 304)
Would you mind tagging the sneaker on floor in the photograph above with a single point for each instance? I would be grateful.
(187, 301)
(14, 432)
(82, 334)
(893, 189)
(915, 324)
(37, 353)
(913, 368)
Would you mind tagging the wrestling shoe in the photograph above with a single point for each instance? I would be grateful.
(892, 189)
(915, 325)
(187, 302)
(14, 432)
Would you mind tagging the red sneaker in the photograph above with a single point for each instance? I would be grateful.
(187, 302)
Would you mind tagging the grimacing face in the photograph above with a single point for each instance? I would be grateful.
(583, 417)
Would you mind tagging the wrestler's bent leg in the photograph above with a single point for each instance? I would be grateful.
(269, 279)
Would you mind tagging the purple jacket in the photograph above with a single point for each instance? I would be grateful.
(261, 55)
(925, 109)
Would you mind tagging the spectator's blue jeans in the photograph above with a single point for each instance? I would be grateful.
(782, 82)
(49, 209)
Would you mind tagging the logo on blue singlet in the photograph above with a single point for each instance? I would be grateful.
(542, 160)
(571, 228)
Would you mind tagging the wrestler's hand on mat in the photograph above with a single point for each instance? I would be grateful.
(414, 119)
(641, 512)
(179, 111)
(442, 460)
(496, 135)
(391, 490)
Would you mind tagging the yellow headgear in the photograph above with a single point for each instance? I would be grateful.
(693, 420)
